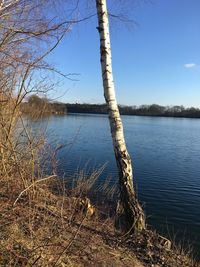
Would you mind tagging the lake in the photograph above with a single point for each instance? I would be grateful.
(166, 161)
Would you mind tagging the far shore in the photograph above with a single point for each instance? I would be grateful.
(36, 104)
(144, 110)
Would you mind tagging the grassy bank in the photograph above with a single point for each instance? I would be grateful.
(50, 225)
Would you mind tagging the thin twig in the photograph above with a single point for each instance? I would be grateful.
(36, 182)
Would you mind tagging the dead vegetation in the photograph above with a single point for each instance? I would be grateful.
(51, 230)
(47, 228)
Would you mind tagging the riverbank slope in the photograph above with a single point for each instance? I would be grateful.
(41, 226)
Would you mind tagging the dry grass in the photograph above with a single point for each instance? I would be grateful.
(52, 230)
(55, 230)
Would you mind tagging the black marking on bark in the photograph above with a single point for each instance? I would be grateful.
(99, 29)
(106, 71)
(99, 3)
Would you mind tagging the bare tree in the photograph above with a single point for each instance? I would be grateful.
(27, 36)
(130, 214)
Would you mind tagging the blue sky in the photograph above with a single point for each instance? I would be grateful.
(156, 60)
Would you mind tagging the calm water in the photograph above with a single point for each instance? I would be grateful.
(166, 160)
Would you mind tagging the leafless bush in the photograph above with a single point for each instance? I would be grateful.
(27, 36)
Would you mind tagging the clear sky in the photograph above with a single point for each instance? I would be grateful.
(156, 60)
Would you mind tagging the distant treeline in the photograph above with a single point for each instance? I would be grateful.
(36, 104)
(143, 110)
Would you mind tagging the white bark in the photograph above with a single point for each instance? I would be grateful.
(132, 212)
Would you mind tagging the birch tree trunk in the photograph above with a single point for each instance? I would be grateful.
(130, 215)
